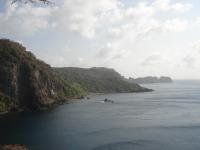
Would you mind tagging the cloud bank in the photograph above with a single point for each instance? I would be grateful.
(123, 36)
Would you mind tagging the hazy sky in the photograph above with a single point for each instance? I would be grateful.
(135, 37)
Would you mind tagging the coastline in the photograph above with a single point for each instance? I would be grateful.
(70, 100)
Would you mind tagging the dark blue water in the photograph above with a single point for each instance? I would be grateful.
(168, 118)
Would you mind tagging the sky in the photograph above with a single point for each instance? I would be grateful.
(135, 37)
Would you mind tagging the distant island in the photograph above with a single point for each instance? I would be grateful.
(29, 84)
(150, 79)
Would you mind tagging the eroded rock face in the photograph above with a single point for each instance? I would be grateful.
(26, 82)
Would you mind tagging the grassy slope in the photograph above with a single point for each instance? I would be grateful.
(98, 80)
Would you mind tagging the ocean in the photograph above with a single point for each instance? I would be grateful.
(168, 118)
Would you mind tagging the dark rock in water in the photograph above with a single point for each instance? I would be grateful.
(88, 97)
(108, 100)
(14, 109)
(13, 147)
(81, 97)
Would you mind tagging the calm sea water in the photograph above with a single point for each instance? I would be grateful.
(168, 118)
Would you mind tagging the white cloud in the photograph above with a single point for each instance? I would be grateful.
(116, 30)
(111, 52)
(189, 61)
(191, 58)
(153, 60)
(196, 22)
(82, 16)
(175, 25)
(196, 45)
(167, 5)
(25, 20)
(179, 7)
(86, 17)
(141, 9)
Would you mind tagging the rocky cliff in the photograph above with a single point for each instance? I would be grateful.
(27, 83)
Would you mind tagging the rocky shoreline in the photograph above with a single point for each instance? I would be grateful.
(14, 147)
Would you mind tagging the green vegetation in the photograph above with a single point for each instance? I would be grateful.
(6, 103)
(29, 82)
(98, 80)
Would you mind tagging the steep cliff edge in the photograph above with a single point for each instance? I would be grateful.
(27, 83)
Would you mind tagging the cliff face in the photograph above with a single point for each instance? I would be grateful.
(99, 80)
(26, 82)
(149, 79)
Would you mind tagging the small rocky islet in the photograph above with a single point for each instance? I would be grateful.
(14, 147)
